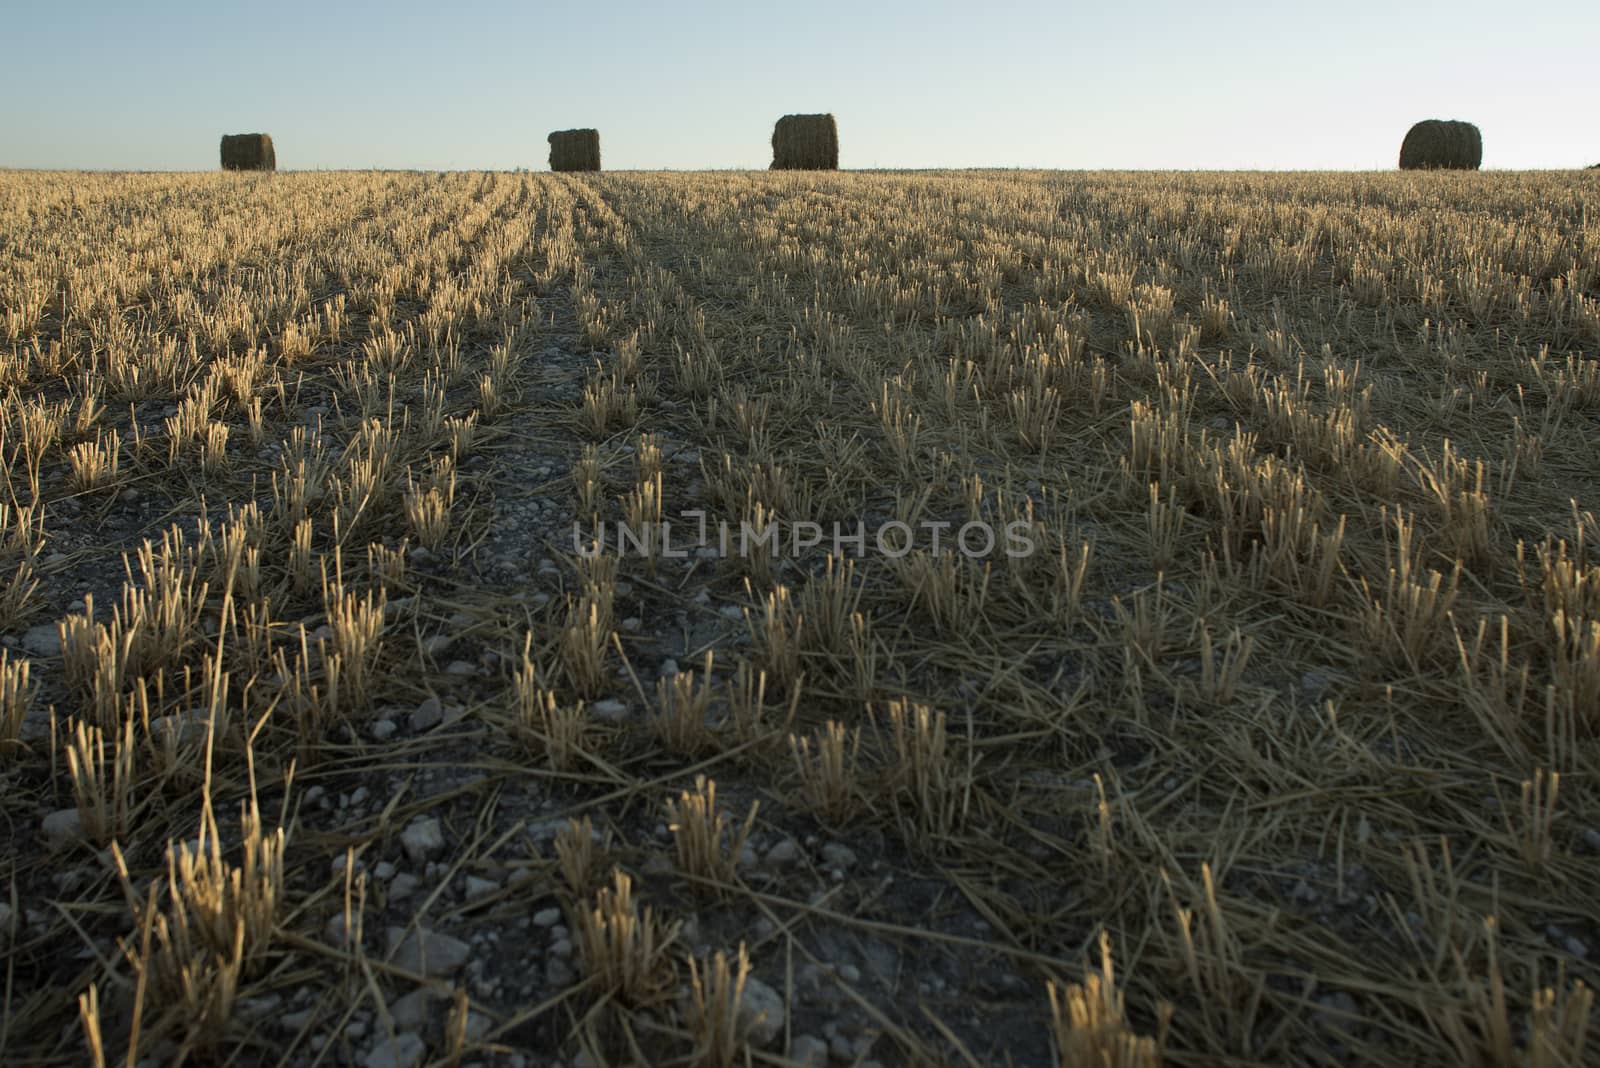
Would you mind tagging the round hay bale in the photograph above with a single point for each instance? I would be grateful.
(1442, 144)
(575, 150)
(248, 152)
(805, 143)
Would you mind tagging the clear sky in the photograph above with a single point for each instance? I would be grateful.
(478, 83)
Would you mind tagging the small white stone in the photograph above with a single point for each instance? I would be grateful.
(412, 1012)
(61, 829)
(428, 714)
(422, 839)
(809, 1051)
(838, 855)
(761, 1013)
(427, 952)
(401, 1051)
(295, 1022)
(547, 917)
(557, 973)
(783, 853)
(478, 1025)
(334, 932)
(479, 888)
(403, 886)
(43, 640)
(181, 728)
(609, 710)
(384, 729)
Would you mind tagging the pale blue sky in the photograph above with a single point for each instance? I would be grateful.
(478, 84)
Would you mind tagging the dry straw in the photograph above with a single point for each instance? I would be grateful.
(248, 152)
(805, 143)
(1438, 144)
(575, 150)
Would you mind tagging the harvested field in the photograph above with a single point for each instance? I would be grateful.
(1246, 632)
